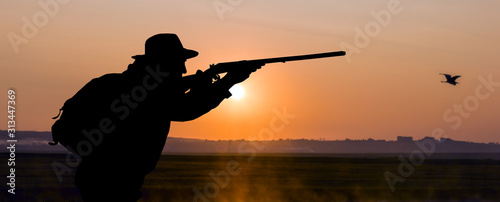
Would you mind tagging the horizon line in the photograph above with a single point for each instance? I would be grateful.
(309, 139)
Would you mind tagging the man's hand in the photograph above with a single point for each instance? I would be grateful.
(200, 81)
(203, 78)
(241, 72)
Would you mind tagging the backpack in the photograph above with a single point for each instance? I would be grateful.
(81, 111)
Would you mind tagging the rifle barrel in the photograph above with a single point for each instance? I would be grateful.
(299, 57)
(226, 66)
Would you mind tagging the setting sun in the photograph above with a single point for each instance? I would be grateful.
(237, 91)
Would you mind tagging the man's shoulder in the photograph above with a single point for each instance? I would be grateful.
(107, 80)
(108, 77)
(103, 83)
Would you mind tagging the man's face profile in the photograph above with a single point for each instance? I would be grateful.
(174, 65)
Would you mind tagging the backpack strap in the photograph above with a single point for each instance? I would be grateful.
(58, 114)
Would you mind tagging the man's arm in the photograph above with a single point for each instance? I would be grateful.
(204, 95)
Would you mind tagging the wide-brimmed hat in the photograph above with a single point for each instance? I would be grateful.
(166, 45)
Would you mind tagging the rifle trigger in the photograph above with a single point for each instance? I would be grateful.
(216, 77)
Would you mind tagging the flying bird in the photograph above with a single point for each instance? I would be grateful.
(451, 80)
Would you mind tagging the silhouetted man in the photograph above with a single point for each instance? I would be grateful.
(134, 111)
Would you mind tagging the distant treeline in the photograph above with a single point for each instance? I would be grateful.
(33, 141)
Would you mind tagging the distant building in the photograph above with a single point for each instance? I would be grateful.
(402, 139)
(429, 138)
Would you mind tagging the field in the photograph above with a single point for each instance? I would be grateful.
(274, 178)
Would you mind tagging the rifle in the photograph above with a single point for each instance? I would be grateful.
(224, 67)
(215, 69)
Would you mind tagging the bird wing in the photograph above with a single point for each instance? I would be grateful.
(455, 77)
(448, 77)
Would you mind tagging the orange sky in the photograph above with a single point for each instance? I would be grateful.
(389, 87)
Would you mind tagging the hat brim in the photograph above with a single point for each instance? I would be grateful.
(190, 53)
(187, 55)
